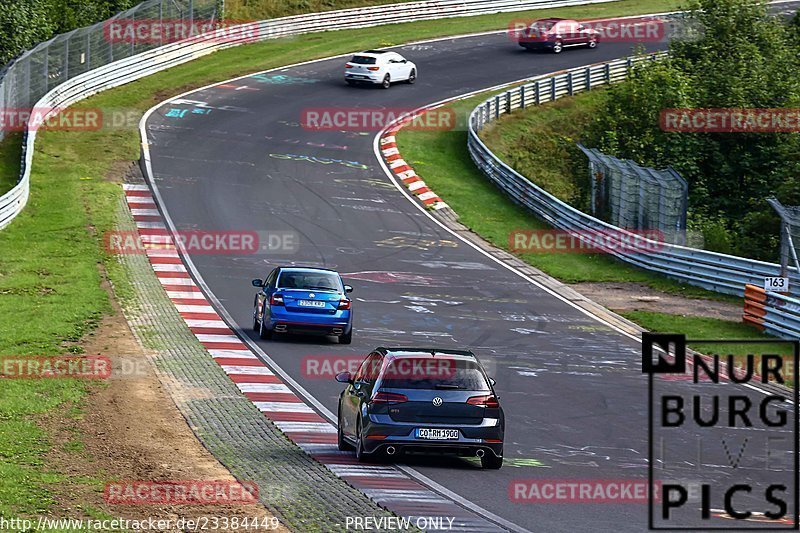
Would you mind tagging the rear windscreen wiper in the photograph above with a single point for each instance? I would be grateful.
(448, 386)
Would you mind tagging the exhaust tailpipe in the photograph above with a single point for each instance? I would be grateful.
(390, 450)
(480, 453)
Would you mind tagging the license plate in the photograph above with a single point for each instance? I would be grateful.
(437, 434)
(310, 303)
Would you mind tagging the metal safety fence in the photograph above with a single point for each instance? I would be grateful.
(635, 197)
(772, 312)
(69, 68)
(714, 271)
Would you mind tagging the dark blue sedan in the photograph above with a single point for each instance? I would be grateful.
(305, 301)
(420, 400)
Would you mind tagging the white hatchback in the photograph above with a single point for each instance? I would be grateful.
(381, 67)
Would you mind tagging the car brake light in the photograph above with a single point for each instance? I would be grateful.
(389, 397)
(484, 401)
(373, 68)
(348, 65)
(277, 299)
(344, 304)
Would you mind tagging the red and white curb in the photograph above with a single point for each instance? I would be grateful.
(386, 485)
(404, 171)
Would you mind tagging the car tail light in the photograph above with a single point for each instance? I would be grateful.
(373, 68)
(344, 304)
(389, 397)
(348, 65)
(484, 401)
(277, 299)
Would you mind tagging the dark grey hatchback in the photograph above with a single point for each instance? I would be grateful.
(421, 400)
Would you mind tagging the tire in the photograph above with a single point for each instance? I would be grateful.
(491, 462)
(558, 47)
(263, 332)
(361, 455)
(347, 338)
(256, 324)
(592, 43)
(412, 77)
(351, 83)
(340, 442)
(387, 82)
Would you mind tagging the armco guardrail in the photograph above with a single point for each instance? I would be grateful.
(717, 272)
(773, 312)
(164, 57)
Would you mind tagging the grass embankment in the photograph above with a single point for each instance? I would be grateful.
(547, 133)
(50, 257)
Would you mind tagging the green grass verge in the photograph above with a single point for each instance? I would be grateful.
(441, 158)
(51, 256)
(710, 328)
(541, 142)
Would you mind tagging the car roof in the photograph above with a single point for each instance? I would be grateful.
(306, 269)
(424, 353)
(376, 53)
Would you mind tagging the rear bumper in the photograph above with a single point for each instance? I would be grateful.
(364, 78)
(403, 439)
(337, 324)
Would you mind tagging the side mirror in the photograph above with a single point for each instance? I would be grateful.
(258, 283)
(344, 377)
(348, 288)
(492, 382)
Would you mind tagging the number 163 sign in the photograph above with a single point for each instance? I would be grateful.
(776, 284)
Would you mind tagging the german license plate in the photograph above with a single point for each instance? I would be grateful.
(437, 434)
(311, 303)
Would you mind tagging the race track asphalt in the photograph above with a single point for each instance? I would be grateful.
(235, 158)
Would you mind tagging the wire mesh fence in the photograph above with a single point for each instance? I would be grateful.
(790, 234)
(634, 197)
(148, 25)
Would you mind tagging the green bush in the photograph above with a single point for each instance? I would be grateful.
(742, 59)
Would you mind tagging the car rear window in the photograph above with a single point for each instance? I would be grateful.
(434, 373)
(317, 281)
(363, 60)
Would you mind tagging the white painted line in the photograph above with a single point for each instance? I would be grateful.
(397, 163)
(205, 337)
(416, 185)
(390, 151)
(151, 212)
(263, 387)
(161, 252)
(427, 195)
(169, 268)
(232, 354)
(196, 323)
(247, 370)
(283, 407)
(177, 281)
(150, 225)
(186, 295)
(407, 174)
(305, 427)
(388, 139)
(183, 308)
(134, 187)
